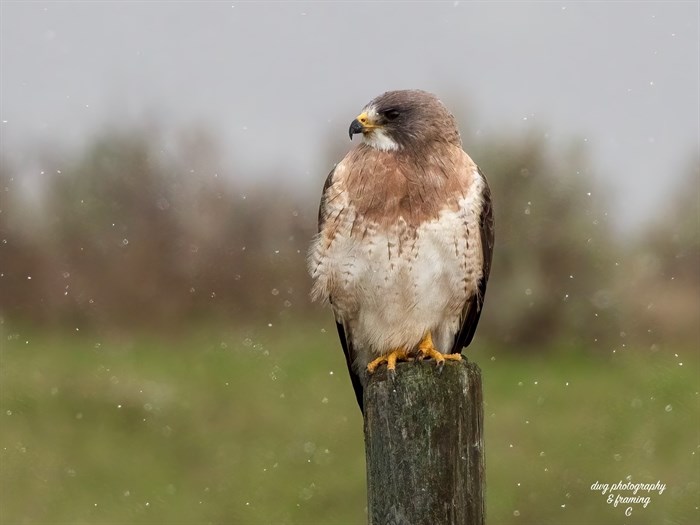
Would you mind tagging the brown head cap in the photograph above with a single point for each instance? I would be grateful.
(406, 118)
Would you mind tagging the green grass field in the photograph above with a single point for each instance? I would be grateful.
(259, 426)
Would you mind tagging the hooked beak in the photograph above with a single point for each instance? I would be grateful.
(362, 124)
(355, 128)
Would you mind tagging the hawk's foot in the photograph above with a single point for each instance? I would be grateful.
(426, 349)
(390, 360)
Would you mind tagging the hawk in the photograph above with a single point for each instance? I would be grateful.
(405, 238)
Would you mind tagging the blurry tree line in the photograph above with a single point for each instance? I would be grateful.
(133, 232)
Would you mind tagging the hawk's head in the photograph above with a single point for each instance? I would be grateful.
(407, 118)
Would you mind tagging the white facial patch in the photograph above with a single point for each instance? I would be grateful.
(378, 138)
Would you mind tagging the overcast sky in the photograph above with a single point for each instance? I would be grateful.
(280, 82)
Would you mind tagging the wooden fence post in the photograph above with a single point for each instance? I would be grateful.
(424, 445)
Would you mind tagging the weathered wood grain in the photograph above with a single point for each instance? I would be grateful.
(424, 445)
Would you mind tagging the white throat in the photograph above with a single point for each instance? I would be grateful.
(378, 139)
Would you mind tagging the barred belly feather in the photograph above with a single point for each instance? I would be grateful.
(389, 284)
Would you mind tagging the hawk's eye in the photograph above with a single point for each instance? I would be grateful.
(391, 114)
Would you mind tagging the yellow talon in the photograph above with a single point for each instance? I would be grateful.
(390, 360)
(426, 348)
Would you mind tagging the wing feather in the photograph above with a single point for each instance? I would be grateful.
(322, 212)
(472, 309)
(343, 335)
